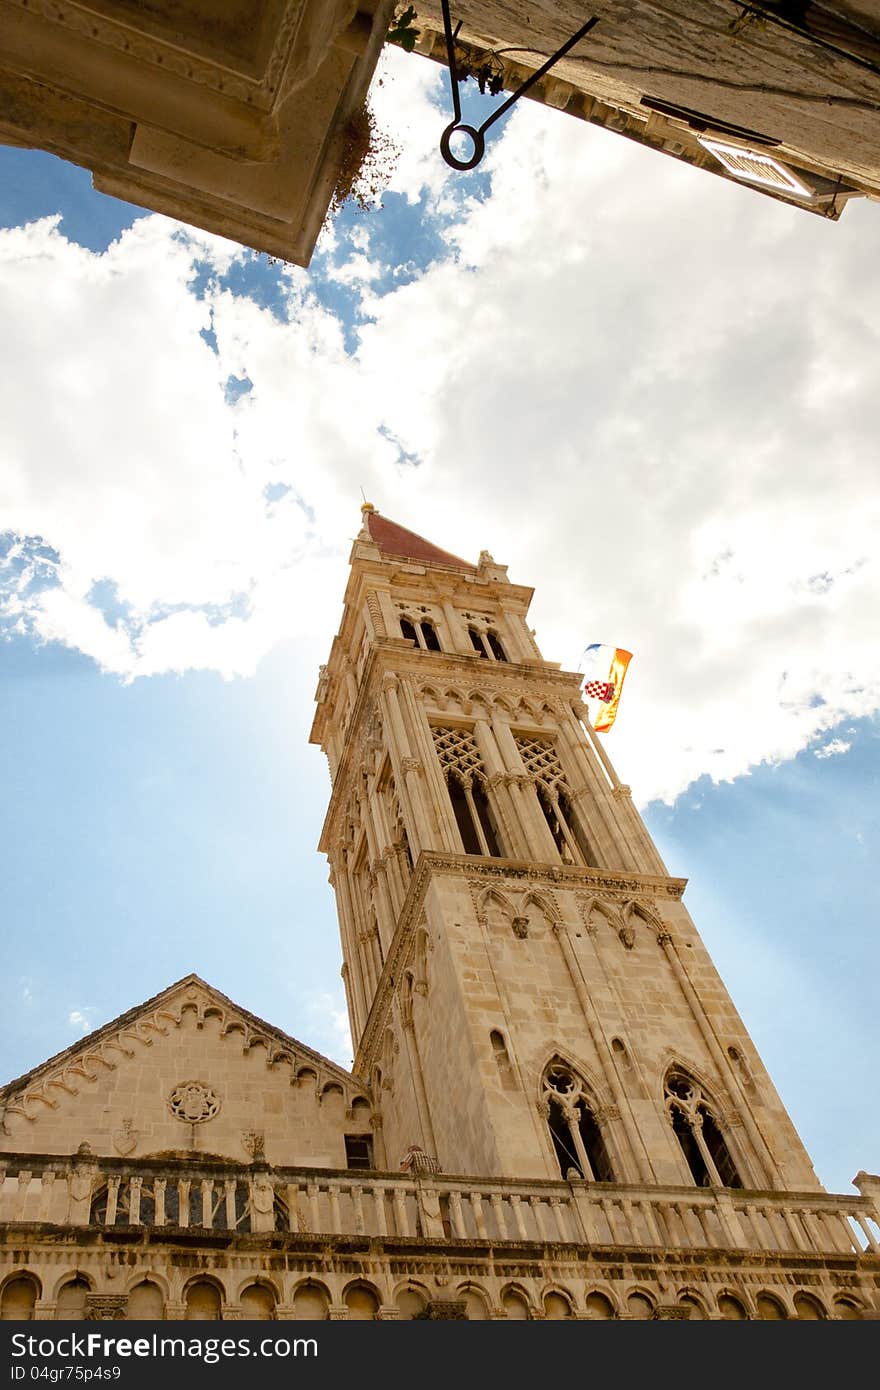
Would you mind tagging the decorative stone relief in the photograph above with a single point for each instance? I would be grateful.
(125, 1138)
(254, 1144)
(193, 1102)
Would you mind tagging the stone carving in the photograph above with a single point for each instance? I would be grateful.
(262, 1195)
(105, 1307)
(125, 1138)
(254, 1143)
(627, 935)
(193, 1102)
(520, 927)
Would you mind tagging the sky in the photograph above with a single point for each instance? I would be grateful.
(649, 392)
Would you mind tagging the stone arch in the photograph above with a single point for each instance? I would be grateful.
(153, 1275)
(70, 1300)
(331, 1089)
(419, 959)
(701, 1128)
(311, 1301)
(362, 1300)
(634, 910)
(557, 1303)
(600, 1303)
(204, 1298)
(476, 1300)
(411, 1299)
(542, 904)
(732, 1306)
(19, 1292)
(694, 1302)
(603, 908)
(516, 1303)
(259, 1299)
(146, 1301)
(771, 1307)
(67, 1276)
(808, 1307)
(847, 1308)
(499, 898)
(640, 1303)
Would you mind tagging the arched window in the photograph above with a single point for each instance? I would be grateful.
(411, 1303)
(702, 1143)
(363, 1304)
(310, 1303)
(258, 1303)
(145, 1302)
(487, 644)
(202, 1302)
(770, 1309)
(18, 1299)
(71, 1303)
(541, 761)
(421, 631)
(577, 1139)
(465, 780)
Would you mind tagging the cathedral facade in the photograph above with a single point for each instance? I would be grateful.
(554, 1110)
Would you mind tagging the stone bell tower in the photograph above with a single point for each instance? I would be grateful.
(528, 996)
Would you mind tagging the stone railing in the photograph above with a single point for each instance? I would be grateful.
(202, 1197)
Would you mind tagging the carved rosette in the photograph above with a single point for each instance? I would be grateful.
(193, 1102)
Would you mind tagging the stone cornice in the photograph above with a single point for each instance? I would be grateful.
(64, 1075)
(600, 882)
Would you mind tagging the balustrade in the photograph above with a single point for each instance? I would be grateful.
(87, 1191)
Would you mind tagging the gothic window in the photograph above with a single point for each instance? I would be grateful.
(422, 632)
(202, 1302)
(258, 1303)
(18, 1299)
(145, 1302)
(465, 780)
(487, 643)
(358, 1151)
(702, 1143)
(576, 1135)
(71, 1304)
(496, 648)
(541, 761)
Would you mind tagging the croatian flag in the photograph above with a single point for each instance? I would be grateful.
(604, 670)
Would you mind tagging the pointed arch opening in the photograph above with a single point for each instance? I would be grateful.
(575, 1131)
(705, 1149)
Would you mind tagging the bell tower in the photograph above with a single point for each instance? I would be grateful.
(528, 995)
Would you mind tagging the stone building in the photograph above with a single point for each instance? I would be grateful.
(555, 1110)
(782, 96)
(232, 115)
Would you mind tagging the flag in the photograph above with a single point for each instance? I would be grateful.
(603, 681)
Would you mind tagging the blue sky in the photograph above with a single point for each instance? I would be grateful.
(658, 420)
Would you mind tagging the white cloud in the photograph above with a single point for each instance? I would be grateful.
(830, 750)
(81, 1020)
(650, 392)
(329, 1028)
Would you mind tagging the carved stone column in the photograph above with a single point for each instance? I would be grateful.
(105, 1307)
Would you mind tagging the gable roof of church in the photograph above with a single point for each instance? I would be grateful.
(397, 541)
(258, 1028)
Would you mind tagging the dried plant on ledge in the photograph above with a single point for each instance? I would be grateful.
(369, 158)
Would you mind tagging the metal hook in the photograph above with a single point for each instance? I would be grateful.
(477, 135)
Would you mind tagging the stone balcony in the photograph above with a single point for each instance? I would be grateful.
(211, 1202)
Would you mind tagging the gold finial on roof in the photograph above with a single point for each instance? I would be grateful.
(367, 507)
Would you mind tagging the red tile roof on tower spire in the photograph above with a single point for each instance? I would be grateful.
(403, 544)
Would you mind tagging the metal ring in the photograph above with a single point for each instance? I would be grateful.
(476, 137)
